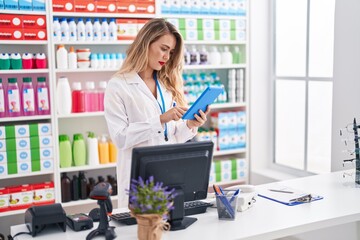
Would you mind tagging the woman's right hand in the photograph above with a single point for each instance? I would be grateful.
(174, 113)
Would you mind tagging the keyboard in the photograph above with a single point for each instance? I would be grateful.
(190, 208)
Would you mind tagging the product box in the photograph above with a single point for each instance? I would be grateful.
(41, 141)
(212, 178)
(185, 6)
(206, 35)
(127, 29)
(2, 132)
(195, 6)
(26, 5)
(11, 4)
(84, 6)
(241, 7)
(223, 139)
(145, 8)
(15, 131)
(2, 5)
(191, 24)
(43, 193)
(240, 119)
(11, 34)
(220, 120)
(40, 129)
(214, 7)
(11, 21)
(34, 21)
(23, 167)
(63, 5)
(125, 7)
(46, 165)
(3, 170)
(4, 199)
(3, 157)
(240, 35)
(232, 7)
(238, 24)
(34, 34)
(240, 163)
(20, 197)
(223, 7)
(39, 5)
(105, 7)
(191, 35)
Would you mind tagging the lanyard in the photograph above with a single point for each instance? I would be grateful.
(163, 108)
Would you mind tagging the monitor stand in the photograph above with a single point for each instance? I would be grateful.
(177, 219)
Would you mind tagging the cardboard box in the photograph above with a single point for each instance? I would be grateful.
(34, 21)
(4, 199)
(38, 5)
(26, 5)
(63, 6)
(43, 193)
(11, 34)
(23, 167)
(20, 197)
(105, 7)
(34, 34)
(127, 29)
(84, 6)
(46, 165)
(11, 21)
(11, 4)
(145, 8)
(2, 5)
(126, 7)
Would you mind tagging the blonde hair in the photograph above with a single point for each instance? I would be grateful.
(137, 56)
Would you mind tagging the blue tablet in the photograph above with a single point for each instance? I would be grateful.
(205, 99)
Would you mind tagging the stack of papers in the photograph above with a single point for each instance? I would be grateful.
(287, 195)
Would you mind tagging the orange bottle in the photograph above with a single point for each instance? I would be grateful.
(113, 152)
(103, 150)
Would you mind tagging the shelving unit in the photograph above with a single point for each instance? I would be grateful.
(83, 122)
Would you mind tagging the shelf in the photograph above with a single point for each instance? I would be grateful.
(20, 71)
(215, 42)
(81, 70)
(23, 118)
(19, 175)
(201, 67)
(11, 213)
(102, 15)
(87, 168)
(80, 115)
(227, 105)
(19, 12)
(202, 16)
(119, 42)
(229, 152)
(24, 42)
(83, 202)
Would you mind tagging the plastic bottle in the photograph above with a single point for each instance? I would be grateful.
(27, 61)
(101, 62)
(65, 188)
(13, 98)
(186, 57)
(97, 30)
(92, 150)
(94, 63)
(214, 57)
(194, 56)
(78, 98)
(40, 60)
(90, 185)
(100, 179)
(101, 94)
(61, 57)
(42, 96)
(64, 26)
(65, 151)
(28, 97)
(4, 61)
(91, 98)
(104, 30)
(236, 55)
(72, 30)
(113, 60)
(89, 30)
(80, 29)
(79, 150)
(72, 58)
(119, 60)
(75, 188)
(107, 62)
(82, 185)
(112, 30)
(56, 30)
(203, 56)
(112, 152)
(104, 150)
(63, 96)
(2, 101)
(15, 61)
(226, 56)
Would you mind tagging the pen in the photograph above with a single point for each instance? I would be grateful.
(280, 191)
(234, 195)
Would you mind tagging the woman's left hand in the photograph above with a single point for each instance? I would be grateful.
(199, 120)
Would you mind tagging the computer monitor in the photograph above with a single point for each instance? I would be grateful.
(184, 166)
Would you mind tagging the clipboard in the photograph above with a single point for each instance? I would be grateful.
(288, 196)
(206, 98)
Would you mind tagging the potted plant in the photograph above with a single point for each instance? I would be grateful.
(150, 204)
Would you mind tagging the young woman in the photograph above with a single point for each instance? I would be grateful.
(144, 101)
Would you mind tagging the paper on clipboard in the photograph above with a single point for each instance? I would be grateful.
(206, 98)
(287, 195)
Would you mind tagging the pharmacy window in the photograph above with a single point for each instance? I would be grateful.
(303, 47)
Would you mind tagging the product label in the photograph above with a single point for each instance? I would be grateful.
(43, 100)
(28, 100)
(2, 101)
(14, 100)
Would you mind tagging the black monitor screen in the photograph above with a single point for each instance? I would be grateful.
(184, 166)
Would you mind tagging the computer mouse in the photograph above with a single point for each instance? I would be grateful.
(95, 214)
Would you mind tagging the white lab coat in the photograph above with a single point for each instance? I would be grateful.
(133, 118)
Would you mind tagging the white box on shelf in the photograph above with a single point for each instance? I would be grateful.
(46, 165)
(24, 167)
(23, 155)
(3, 158)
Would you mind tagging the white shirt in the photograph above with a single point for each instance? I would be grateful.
(133, 118)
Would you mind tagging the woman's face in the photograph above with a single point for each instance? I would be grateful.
(160, 51)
